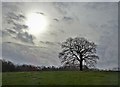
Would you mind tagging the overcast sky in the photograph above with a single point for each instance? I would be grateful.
(98, 22)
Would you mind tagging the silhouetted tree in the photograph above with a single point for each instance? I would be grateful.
(76, 50)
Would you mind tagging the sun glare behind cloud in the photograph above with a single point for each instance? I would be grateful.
(37, 23)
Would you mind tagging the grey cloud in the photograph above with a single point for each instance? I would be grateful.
(40, 13)
(47, 42)
(17, 17)
(100, 5)
(19, 34)
(15, 20)
(62, 31)
(50, 43)
(95, 26)
(10, 21)
(67, 18)
(25, 37)
(56, 19)
(108, 48)
(61, 7)
(11, 31)
(53, 34)
(15, 27)
(30, 54)
(4, 33)
(59, 43)
(56, 33)
(10, 6)
(19, 27)
(22, 16)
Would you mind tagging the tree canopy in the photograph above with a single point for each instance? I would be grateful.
(78, 50)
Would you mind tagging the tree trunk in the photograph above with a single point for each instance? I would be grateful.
(81, 66)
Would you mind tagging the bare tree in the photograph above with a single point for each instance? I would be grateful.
(76, 50)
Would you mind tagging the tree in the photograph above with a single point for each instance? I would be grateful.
(76, 50)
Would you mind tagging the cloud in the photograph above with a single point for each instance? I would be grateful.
(25, 37)
(11, 31)
(40, 13)
(48, 42)
(56, 19)
(55, 34)
(108, 45)
(14, 16)
(20, 27)
(67, 18)
(61, 7)
(100, 6)
(23, 54)
(62, 31)
(14, 25)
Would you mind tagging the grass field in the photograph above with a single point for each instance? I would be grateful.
(60, 78)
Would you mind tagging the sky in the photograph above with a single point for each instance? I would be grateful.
(23, 42)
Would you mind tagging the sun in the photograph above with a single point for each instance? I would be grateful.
(36, 23)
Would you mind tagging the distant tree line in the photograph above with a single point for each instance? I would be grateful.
(8, 66)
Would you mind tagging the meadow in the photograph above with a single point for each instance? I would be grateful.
(60, 78)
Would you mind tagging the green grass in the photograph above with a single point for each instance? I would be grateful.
(60, 78)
